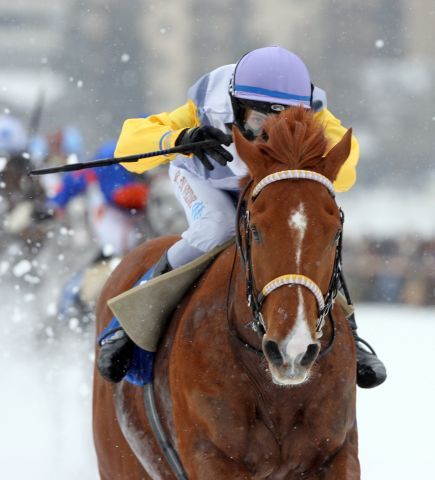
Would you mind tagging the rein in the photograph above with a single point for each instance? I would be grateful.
(255, 298)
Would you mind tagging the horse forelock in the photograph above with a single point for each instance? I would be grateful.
(293, 138)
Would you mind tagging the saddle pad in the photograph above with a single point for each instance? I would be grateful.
(143, 310)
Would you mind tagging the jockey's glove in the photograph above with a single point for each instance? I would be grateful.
(216, 152)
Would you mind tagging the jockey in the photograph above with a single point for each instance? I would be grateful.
(13, 136)
(264, 81)
(15, 163)
(114, 195)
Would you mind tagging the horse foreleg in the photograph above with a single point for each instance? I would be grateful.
(345, 464)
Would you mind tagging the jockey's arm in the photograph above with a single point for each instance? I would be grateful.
(334, 132)
(157, 132)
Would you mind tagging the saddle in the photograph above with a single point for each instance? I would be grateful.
(143, 311)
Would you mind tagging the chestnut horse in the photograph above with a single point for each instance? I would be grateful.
(274, 402)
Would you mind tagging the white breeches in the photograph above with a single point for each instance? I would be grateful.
(210, 216)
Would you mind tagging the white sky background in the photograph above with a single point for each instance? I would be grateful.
(45, 404)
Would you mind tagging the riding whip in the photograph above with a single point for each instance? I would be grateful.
(103, 162)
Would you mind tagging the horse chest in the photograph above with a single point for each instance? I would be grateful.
(294, 431)
(290, 421)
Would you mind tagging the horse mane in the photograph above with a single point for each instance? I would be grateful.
(294, 138)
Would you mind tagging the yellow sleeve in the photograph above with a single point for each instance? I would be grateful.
(334, 132)
(157, 132)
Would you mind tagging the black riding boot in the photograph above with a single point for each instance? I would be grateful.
(114, 358)
(116, 348)
(371, 371)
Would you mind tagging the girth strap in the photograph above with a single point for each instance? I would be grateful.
(168, 450)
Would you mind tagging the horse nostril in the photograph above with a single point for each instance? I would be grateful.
(310, 355)
(272, 352)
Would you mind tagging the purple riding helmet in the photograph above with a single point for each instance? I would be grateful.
(267, 80)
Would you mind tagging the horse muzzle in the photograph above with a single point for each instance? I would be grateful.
(286, 369)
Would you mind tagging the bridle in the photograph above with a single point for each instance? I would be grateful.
(256, 298)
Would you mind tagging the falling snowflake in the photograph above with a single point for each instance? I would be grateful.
(21, 268)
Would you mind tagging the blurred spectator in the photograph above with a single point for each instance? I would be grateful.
(391, 270)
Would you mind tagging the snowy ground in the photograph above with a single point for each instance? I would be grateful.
(45, 404)
(397, 420)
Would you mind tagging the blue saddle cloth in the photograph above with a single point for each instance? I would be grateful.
(141, 369)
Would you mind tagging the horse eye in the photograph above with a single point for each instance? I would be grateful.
(255, 234)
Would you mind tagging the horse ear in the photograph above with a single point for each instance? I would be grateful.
(248, 152)
(336, 157)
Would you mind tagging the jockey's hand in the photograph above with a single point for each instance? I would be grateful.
(217, 152)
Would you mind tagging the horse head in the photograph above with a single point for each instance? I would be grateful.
(291, 233)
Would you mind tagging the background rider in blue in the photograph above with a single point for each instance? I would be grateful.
(264, 81)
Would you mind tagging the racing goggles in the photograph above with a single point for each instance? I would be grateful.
(256, 113)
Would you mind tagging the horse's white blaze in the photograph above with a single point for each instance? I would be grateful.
(298, 221)
(299, 338)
